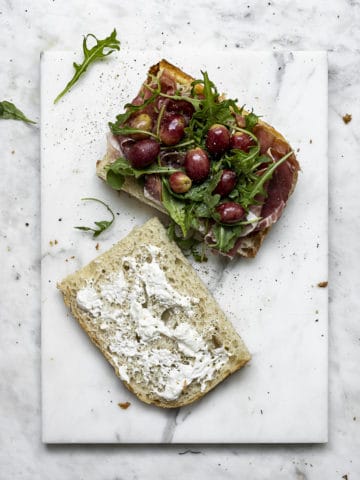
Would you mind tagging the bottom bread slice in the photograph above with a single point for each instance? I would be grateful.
(146, 309)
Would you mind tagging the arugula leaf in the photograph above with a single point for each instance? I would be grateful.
(251, 120)
(115, 180)
(210, 111)
(177, 210)
(206, 208)
(190, 244)
(121, 168)
(110, 43)
(9, 111)
(225, 237)
(242, 162)
(258, 185)
(129, 131)
(102, 224)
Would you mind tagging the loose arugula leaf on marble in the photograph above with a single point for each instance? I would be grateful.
(8, 111)
(101, 224)
(101, 49)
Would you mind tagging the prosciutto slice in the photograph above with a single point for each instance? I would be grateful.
(152, 187)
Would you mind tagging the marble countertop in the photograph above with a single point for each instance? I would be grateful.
(27, 28)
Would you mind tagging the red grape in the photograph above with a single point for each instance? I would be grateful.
(230, 212)
(197, 164)
(226, 183)
(217, 139)
(143, 153)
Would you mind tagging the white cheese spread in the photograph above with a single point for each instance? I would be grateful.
(133, 310)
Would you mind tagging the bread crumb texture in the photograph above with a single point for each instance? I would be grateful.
(145, 308)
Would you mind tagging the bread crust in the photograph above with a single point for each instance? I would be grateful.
(131, 186)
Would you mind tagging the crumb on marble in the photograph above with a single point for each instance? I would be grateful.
(347, 118)
(12, 152)
(310, 141)
(322, 284)
(97, 246)
(70, 258)
(345, 477)
(124, 405)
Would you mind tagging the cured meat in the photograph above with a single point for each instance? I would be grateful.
(264, 136)
(278, 191)
(172, 159)
(113, 148)
(280, 186)
(167, 83)
(152, 187)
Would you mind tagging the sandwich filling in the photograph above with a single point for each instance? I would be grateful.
(211, 165)
(143, 320)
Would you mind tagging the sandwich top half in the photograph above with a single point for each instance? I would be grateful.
(221, 174)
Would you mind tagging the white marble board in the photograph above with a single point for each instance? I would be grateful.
(274, 300)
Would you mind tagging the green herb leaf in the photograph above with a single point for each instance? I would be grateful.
(8, 111)
(122, 167)
(225, 237)
(251, 120)
(115, 180)
(177, 210)
(190, 244)
(102, 49)
(130, 131)
(257, 187)
(102, 224)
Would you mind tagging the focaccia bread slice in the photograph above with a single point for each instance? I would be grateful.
(267, 207)
(145, 308)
